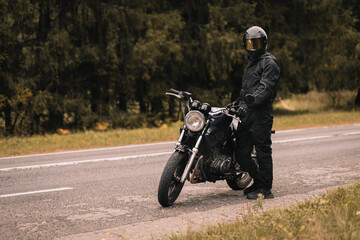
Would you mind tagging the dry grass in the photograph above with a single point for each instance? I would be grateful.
(316, 119)
(315, 101)
(335, 215)
(84, 140)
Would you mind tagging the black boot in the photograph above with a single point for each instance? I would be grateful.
(255, 194)
(250, 189)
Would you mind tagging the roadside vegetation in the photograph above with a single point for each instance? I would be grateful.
(297, 111)
(75, 64)
(335, 215)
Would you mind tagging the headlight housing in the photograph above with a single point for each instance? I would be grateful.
(195, 121)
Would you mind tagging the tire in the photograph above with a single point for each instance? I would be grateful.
(169, 185)
(240, 182)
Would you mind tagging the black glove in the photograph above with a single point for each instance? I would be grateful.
(242, 109)
(233, 104)
(231, 109)
(249, 98)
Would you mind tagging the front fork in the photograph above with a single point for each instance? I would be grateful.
(194, 151)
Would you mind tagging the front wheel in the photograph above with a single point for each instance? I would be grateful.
(239, 182)
(170, 185)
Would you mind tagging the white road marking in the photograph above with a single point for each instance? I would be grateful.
(290, 131)
(352, 133)
(302, 139)
(36, 192)
(149, 144)
(82, 161)
(139, 156)
(89, 150)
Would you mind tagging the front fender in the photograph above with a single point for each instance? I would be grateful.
(182, 148)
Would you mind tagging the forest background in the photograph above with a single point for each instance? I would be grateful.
(76, 63)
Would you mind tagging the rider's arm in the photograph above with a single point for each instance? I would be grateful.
(267, 88)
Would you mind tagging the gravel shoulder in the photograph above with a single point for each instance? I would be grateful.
(165, 227)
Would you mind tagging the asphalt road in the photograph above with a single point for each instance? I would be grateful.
(111, 193)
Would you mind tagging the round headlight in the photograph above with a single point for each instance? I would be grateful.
(194, 121)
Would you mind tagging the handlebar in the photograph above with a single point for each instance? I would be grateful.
(229, 113)
(174, 91)
(179, 94)
(226, 110)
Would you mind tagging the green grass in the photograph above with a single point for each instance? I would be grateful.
(335, 215)
(297, 111)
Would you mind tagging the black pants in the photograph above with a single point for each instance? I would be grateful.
(256, 131)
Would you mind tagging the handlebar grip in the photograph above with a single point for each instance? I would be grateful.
(174, 91)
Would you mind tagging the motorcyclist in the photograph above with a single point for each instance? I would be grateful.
(260, 80)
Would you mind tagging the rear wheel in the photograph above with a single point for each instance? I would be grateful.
(240, 182)
(170, 185)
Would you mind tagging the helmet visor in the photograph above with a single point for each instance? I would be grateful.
(253, 44)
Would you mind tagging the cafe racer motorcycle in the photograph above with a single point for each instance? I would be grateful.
(204, 150)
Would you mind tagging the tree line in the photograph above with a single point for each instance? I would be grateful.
(74, 63)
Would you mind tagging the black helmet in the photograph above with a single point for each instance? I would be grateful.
(255, 41)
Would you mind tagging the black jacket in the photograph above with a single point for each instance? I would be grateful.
(261, 78)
